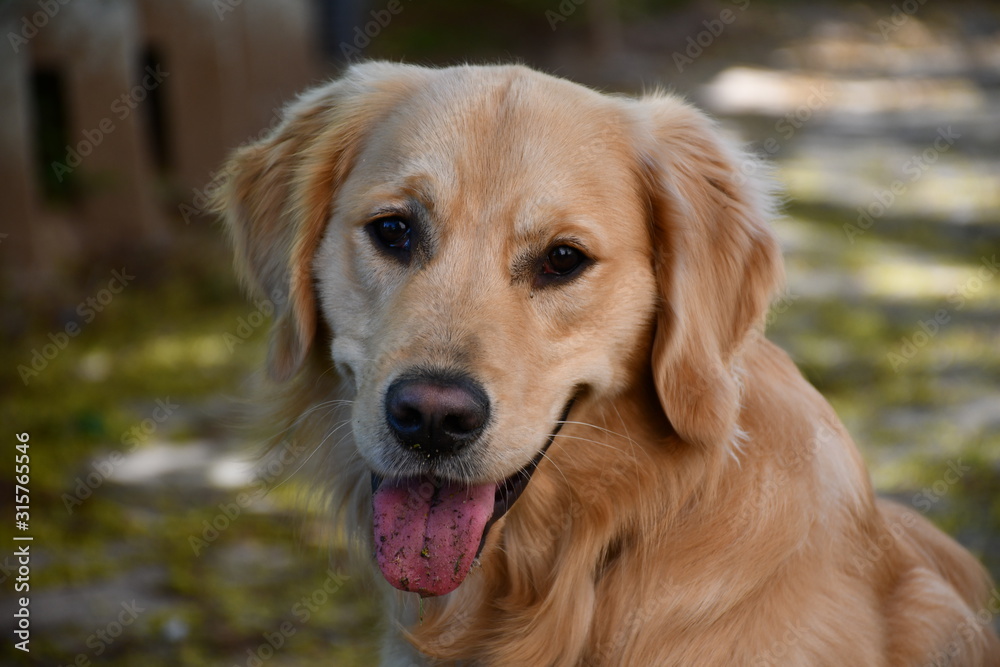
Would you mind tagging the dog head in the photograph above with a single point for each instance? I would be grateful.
(487, 245)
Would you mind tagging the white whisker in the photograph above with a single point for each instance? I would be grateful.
(545, 455)
(312, 453)
(601, 428)
(631, 443)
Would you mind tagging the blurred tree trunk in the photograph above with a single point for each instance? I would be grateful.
(337, 20)
(605, 27)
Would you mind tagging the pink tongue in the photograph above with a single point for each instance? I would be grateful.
(426, 537)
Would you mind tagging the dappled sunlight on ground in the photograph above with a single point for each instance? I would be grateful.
(861, 178)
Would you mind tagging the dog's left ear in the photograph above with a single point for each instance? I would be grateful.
(718, 266)
(279, 192)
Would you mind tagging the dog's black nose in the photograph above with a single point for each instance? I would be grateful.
(434, 416)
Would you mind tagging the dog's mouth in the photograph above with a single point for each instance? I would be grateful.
(429, 531)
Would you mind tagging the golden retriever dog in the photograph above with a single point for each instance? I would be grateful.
(519, 324)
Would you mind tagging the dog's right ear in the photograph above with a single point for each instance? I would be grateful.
(279, 191)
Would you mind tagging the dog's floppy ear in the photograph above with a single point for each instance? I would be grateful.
(278, 196)
(718, 265)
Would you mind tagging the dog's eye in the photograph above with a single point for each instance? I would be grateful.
(562, 260)
(391, 233)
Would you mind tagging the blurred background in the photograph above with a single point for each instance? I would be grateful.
(127, 345)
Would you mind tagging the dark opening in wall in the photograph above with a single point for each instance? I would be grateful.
(49, 116)
(157, 126)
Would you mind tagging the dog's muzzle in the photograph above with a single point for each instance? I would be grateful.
(429, 531)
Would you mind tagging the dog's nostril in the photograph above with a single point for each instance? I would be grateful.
(462, 422)
(406, 416)
(436, 416)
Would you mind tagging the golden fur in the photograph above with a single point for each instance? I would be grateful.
(702, 504)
